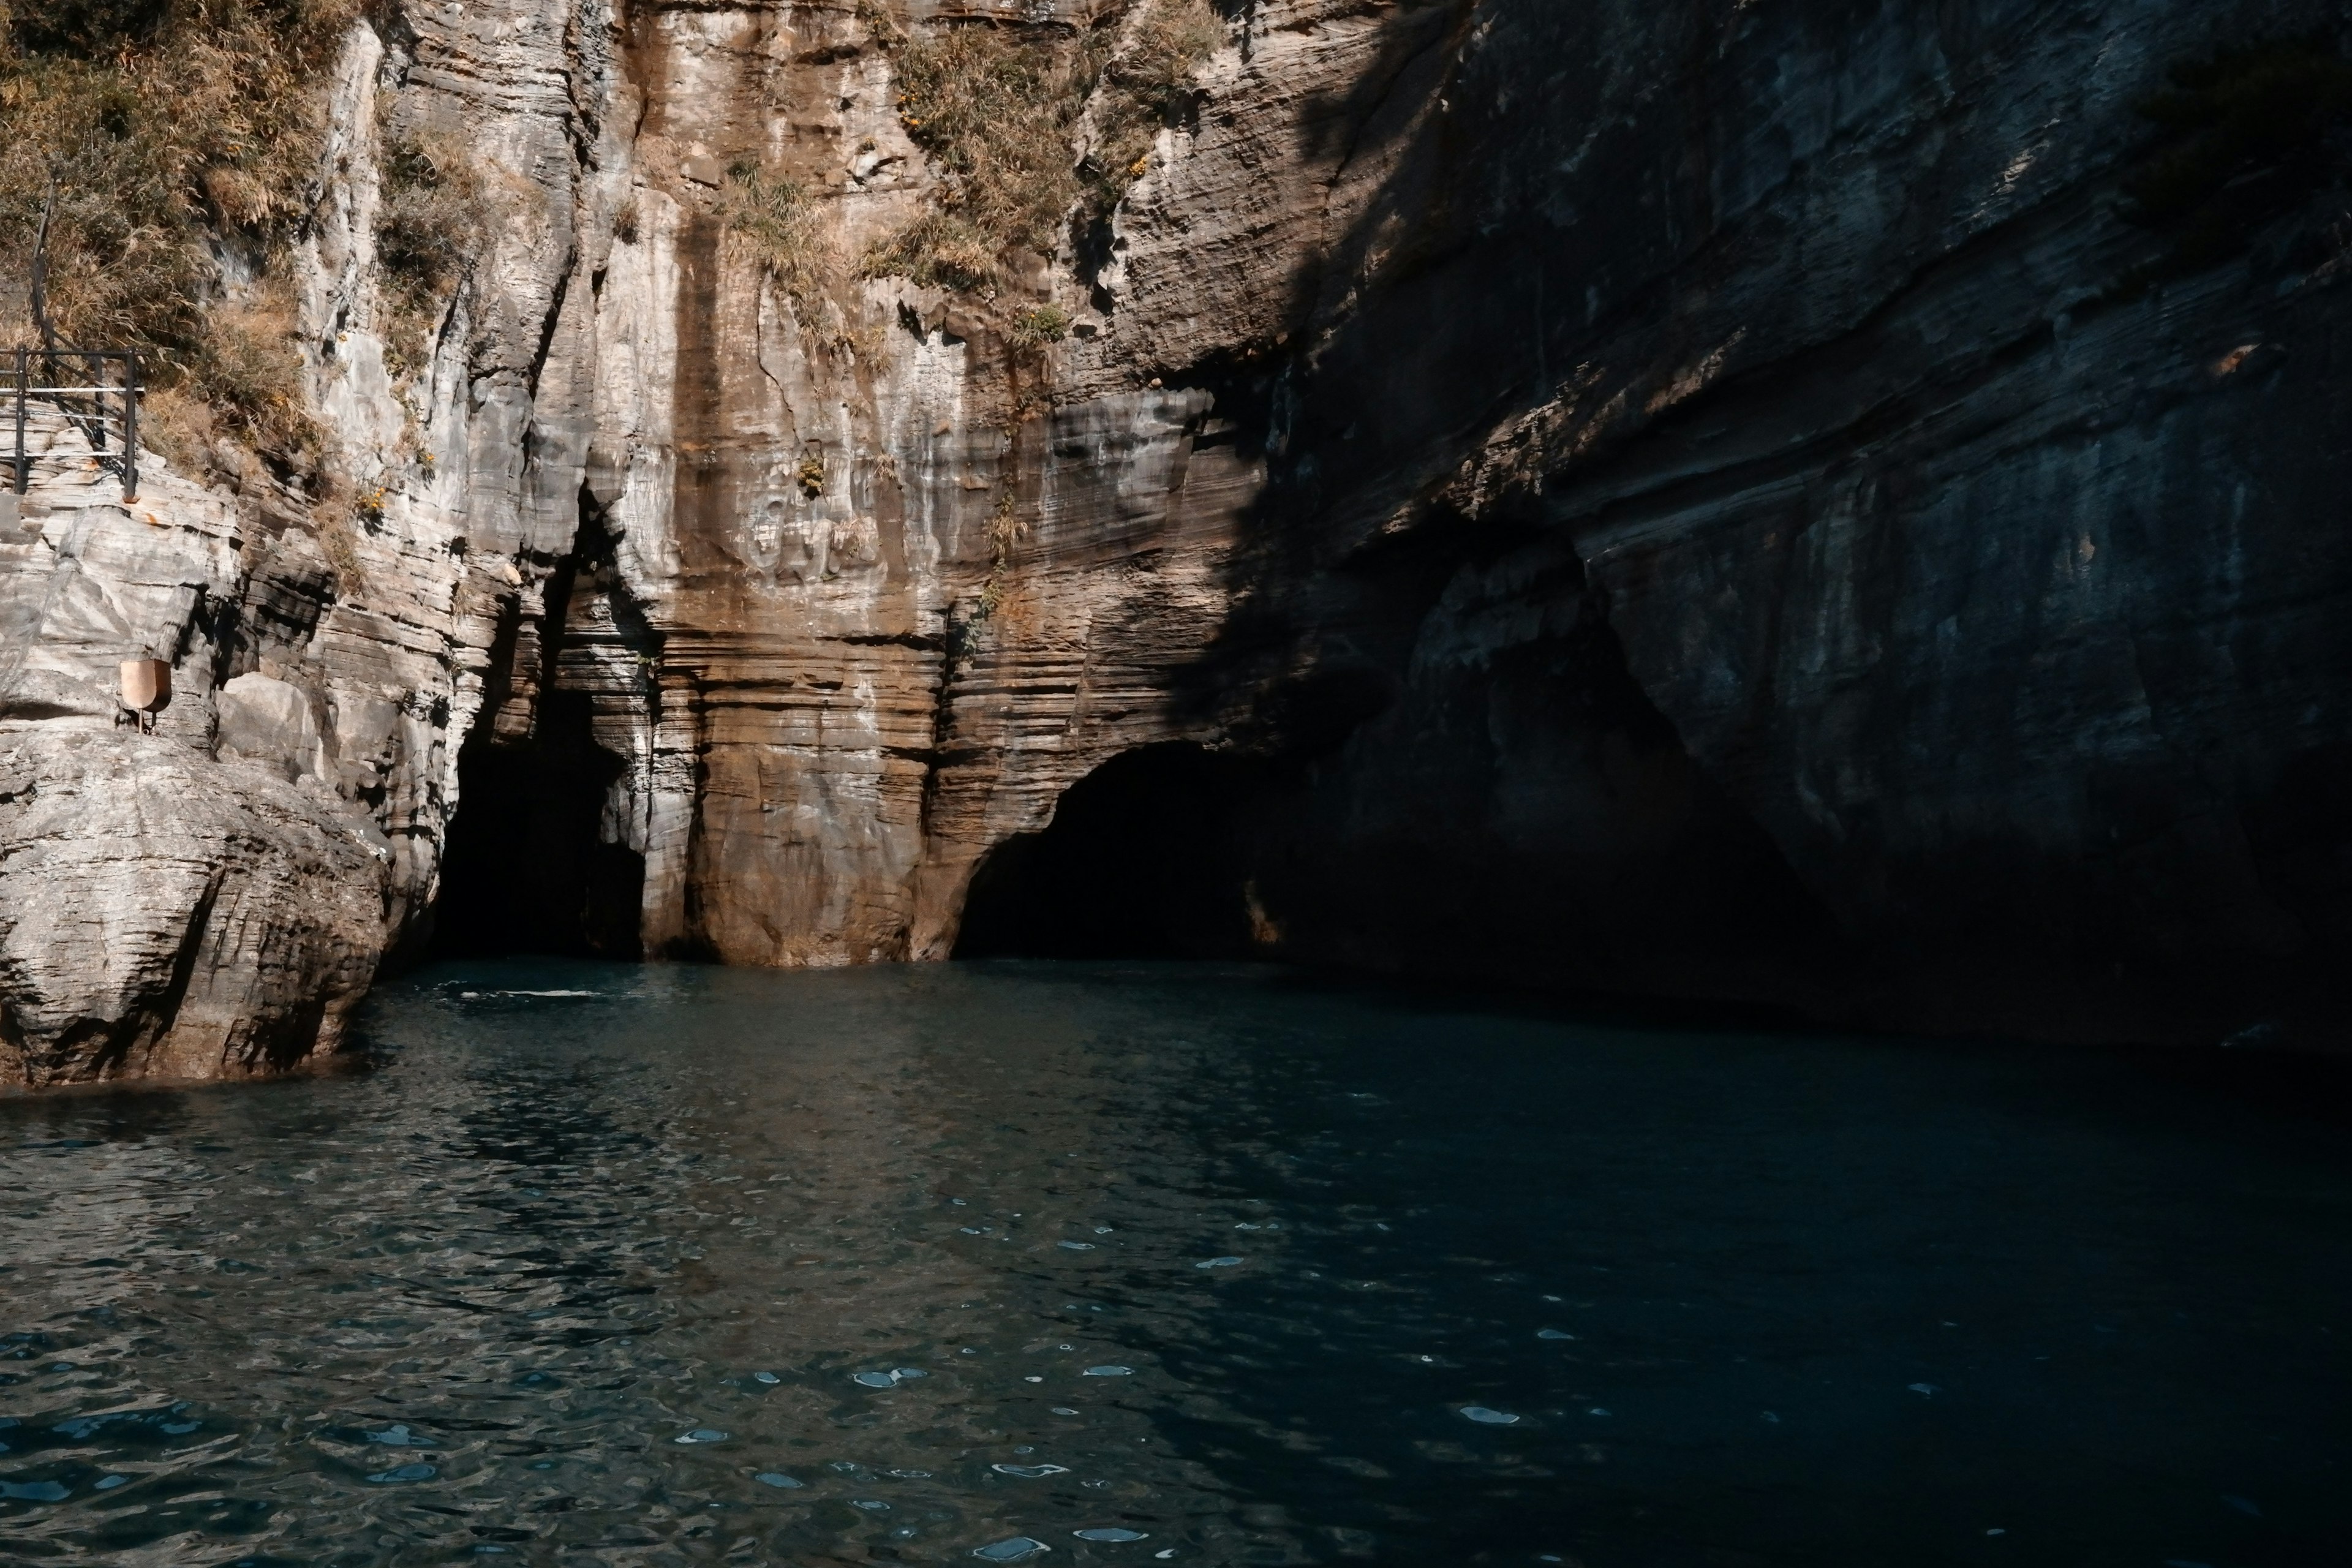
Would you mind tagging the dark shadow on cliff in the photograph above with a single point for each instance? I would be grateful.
(525, 871)
(1141, 859)
(1480, 789)
(527, 868)
(1456, 775)
(1530, 819)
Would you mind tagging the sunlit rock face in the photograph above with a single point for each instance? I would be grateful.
(832, 726)
(1684, 501)
(211, 899)
(888, 617)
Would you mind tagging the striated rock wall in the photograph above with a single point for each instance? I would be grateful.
(1826, 577)
(1668, 502)
(163, 914)
(794, 531)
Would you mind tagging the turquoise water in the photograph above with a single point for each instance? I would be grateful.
(672, 1264)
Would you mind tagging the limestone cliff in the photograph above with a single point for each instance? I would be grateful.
(1709, 501)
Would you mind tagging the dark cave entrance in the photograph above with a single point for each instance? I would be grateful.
(526, 869)
(529, 867)
(1141, 860)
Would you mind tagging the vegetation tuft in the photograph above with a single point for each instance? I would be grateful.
(429, 226)
(2246, 135)
(938, 250)
(158, 136)
(1045, 325)
(1006, 530)
(774, 218)
(771, 217)
(245, 378)
(998, 111)
(994, 108)
(1146, 86)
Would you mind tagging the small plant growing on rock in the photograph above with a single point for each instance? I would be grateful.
(367, 506)
(338, 541)
(771, 217)
(811, 475)
(1045, 325)
(1006, 530)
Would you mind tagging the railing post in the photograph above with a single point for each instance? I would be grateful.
(97, 363)
(131, 426)
(92, 421)
(24, 467)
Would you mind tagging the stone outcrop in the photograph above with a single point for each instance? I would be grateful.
(212, 900)
(1677, 501)
(161, 913)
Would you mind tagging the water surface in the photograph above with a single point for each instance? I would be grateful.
(666, 1264)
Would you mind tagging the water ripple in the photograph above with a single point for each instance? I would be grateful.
(639, 1265)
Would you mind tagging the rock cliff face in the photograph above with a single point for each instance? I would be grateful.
(1701, 502)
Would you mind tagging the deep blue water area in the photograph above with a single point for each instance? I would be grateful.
(1128, 1263)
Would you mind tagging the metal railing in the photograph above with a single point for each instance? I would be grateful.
(84, 406)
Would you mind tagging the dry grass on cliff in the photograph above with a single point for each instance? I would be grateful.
(992, 108)
(430, 218)
(774, 218)
(1146, 85)
(246, 375)
(180, 138)
(999, 112)
(1006, 530)
(937, 250)
(777, 222)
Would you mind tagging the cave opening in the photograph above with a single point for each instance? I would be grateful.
(1142, 859)
(526, 869)
(532, 864)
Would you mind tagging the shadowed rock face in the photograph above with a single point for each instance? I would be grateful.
(1796, 351)
(1695, 502)
(1148, 855)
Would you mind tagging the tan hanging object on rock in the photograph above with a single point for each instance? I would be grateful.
(146, 692)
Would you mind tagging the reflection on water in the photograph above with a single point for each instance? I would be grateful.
(1132, 1264)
